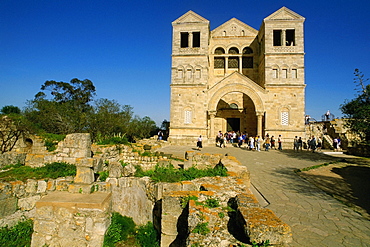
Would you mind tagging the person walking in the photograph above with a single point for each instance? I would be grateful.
(267, 143)
(319, 144)
(295, 144)
(199, 143)
(251, 143)
(300, 144)
(313, 144)
(280, 142)
(258, 143)
(273, 142)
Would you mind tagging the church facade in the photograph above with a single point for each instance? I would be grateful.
(237, 78)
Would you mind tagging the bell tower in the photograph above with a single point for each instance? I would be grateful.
(189, 77)
(282, 41)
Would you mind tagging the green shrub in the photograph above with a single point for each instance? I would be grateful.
(114, 140)
(103, 175)
(120, 228)
(212, 203)
(52, 170)
(147, 236)
(18, 235)
(201, 228)
(171, 175)
(51, 140)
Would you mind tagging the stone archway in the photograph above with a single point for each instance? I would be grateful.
(250, 107)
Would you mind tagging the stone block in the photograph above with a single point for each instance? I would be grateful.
(28, 203)
(5, 190)
(80, 188)
(115, 169)
(261, 224)
(84, 175)
(45, 213)
(85, 162)
(41, 186)
(8, 206)
(31, 186)
(128, 170)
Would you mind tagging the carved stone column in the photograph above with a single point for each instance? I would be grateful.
(259, 123)
(212, 115)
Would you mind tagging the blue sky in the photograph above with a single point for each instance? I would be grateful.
(124, 47)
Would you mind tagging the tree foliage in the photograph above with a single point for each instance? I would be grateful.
(357, 111)
(12, 128)
(10, 109)
(70, 108)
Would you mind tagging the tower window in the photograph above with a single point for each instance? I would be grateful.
(219, 63)
(294, 73)
(274, 73)
(196, 39)
(187, 117)
(284, 118)
(290, 37)
(233, 62)
(247, 62)
(247, 50)
(284, 73)
(184, 40)
(197, 74)
(220, 50)
(233, 50)
(277, 37)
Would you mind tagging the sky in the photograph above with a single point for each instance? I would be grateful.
(124, 47)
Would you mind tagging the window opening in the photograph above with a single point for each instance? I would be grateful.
(247, 50)
(290, 37)
(188, 74)
(233, 106)
(219, 51)
(197, 74)
(184, 40)
(196, 39)
(247, 62)
(274, 73)
(233, 50)
(233, 62)
(284, 118)
(294, 73)
(188, 117)
(277, 37)
(180, 73)
(219, 63)
(284, 73)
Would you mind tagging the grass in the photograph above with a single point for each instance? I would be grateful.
(123, 231)
(315, 167)
(52, 170)
(171, 175)
(18, 235)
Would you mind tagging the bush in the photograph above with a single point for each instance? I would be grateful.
(120, 228)
(51, 140)
(52, 170)
(147, 236)
(18, 235)
(114, 140)
(171, 175)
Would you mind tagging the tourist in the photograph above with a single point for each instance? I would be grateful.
(313, 144)
(267, 143)
(273, 142)
(258, 143)
(280, 142)
(160, 135)
(240, 141)
(295, 144)
(199, 143)
(251, 143)
(335, 144)
(309, 144)
(218, 138)
(319, 144)
(300, 143)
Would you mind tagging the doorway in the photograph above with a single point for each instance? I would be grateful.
(233, 124)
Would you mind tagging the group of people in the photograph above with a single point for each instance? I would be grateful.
(251, 142)
(256, 142)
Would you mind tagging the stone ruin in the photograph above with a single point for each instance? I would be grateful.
(76, 211)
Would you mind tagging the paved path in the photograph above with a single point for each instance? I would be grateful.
(316, 218)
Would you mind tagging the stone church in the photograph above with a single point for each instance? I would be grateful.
(237, 78)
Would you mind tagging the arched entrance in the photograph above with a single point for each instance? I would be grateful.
(235, 107)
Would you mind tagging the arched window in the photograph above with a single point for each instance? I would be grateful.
(233, 106)
(233, 50)
(247, 50)
(219, 51)
(233, 62)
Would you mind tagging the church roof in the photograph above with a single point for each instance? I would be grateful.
(284, 14)
(190, 17)
(234, 27)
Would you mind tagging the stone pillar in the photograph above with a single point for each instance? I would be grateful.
(212, 115)
(283, 37)
(259, 123)
(190, 39)
(240, 65)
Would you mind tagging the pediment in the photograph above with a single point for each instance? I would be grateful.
(234, 27)
(238, 78)
(190, 17)
(284, 14)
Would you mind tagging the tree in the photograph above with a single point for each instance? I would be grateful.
(67, 108)
(357, 111)
(10, 109)
(11, 130)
